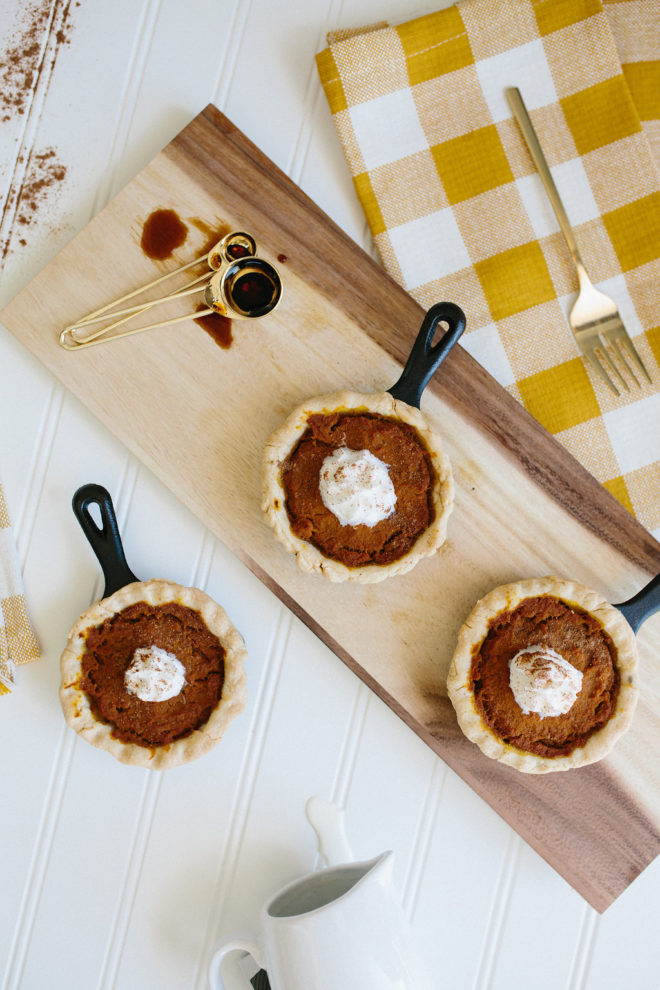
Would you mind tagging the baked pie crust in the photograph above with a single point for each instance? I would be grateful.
(284, 440)
(475, 630)
(76, 704)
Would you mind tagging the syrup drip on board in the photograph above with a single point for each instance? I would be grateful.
(216, 325)
(163, 231)
(212, 234)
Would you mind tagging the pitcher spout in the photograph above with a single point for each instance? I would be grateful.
(380, 869)
(346, 883)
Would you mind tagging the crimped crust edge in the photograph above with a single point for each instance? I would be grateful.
(474, 631)
(75, 703)
(284, 439)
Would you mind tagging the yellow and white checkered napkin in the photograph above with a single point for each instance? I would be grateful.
(17, 642)
(458, 212)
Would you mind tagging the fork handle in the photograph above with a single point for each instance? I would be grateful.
(535, 150)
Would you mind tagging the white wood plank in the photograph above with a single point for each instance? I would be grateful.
(458, 895)
(87, 863)
(78, 120)
(387, 787)
(24, 397)
(626, 948)
(184, 48)
(324, 174)
(535, 944)
(306, 727)
(271, 101)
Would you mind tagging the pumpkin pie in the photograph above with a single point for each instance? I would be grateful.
(357, 486)
(544, 675)
(153, 674)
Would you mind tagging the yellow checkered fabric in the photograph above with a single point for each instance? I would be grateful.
(17, 642)
(458, 212)
(636, 28)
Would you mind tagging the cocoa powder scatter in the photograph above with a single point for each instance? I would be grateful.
(30, 51)
(22, 58)
(44, 171)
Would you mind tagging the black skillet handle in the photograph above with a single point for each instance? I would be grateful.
(105, 541)
(425, 358)
(643, 605)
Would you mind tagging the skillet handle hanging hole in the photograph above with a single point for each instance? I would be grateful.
(104, 539)
(426, 357)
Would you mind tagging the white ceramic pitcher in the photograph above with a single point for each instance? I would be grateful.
(341, 928)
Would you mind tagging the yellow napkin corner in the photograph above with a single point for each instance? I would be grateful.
(17, 641)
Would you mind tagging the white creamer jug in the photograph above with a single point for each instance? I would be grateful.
(341, 928)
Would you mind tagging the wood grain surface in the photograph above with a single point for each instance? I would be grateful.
(198, 416)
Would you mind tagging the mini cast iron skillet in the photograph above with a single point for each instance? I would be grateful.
(619, 622)
(401, 402)
(424, 360)
(123, 589)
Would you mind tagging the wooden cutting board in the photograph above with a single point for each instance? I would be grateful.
(199, 415)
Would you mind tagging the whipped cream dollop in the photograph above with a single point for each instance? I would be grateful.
(154, 675)
(544, 682)
(356, 487)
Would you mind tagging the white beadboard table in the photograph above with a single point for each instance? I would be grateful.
(116, 877)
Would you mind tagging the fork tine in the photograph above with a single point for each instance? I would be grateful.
(594, 317)
(614, 344)
(603, 349)
(592, 357)
(632, 350)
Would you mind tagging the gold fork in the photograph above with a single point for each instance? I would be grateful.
(594, 317)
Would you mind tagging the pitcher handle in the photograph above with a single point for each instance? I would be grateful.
(234, 943)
